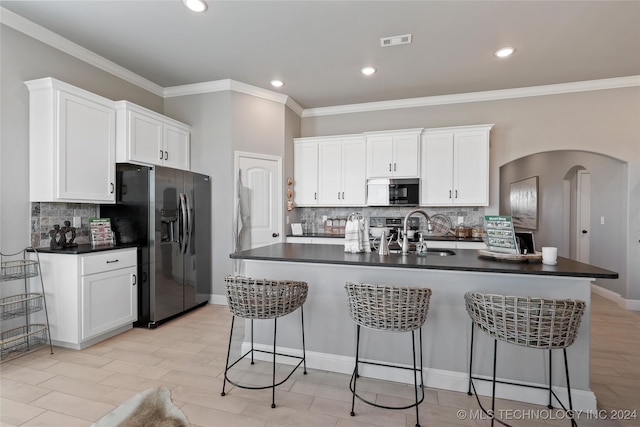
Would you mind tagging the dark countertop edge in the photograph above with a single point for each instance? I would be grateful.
(84, 249)
(572, 268)
(427, 238)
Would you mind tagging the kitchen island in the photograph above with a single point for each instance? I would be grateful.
(330, 333)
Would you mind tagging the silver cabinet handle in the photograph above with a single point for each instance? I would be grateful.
(394, 167)
(161, 155)
(166, 155)
(135, 280)
(456, 194)
(449, 193)
(389, 167)
(113, 187)
(315, 196)
(112, 261)
(343, 195)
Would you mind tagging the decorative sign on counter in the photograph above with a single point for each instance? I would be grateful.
(501, 236)
(101, 233)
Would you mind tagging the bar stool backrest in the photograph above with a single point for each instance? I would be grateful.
(388, 308)
(526, 321)
(263, 299)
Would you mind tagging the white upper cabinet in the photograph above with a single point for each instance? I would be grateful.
(305, 172)
(341, 171)
(144, 136)
(455, 166)
(393, 154)
(72, 135)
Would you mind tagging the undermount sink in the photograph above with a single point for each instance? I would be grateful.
(430, 251)
(440, 252)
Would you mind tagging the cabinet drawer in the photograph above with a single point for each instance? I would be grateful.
(106, 261)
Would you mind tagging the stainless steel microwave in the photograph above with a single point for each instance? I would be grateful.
(393, 192)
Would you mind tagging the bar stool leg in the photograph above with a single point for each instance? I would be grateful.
(252, 362)
(226, 365)
(550, 405)
(471, 358)
(273, 390)
(566, 371)
(415, 374)
(354, 377)
(493, 390)
(304, 353)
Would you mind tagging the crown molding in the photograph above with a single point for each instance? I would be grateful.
(492, 95)
(46, 36)
(232, 85)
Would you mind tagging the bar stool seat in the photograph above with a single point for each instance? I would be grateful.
(540, 323)
(392, 309)
(263, 299)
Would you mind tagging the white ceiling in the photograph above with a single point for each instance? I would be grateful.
(318, 47)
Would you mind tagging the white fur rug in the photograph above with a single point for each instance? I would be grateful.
(152, 407)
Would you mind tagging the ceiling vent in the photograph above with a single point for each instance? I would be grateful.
(395, 40)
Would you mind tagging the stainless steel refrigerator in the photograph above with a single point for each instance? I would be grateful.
(166, 213)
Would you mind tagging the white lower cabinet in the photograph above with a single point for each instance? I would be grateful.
(92, 297)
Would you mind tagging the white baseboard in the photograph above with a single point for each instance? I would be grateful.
(583, 400)
(628, 304)
(217, 299)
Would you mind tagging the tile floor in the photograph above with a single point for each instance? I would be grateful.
(75, 388)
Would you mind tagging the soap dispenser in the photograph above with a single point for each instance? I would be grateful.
(421, 247)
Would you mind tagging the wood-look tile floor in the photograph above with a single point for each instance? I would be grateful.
(187, 355)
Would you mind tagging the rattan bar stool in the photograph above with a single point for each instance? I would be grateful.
(546, 324)
(264, 299)
(391, 309)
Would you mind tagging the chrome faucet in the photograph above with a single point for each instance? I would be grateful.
(405, 238)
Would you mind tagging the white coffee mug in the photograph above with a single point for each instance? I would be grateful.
(549, 255)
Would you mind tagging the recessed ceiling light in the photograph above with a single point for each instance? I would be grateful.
(277, 83)
(504, 52)
(195, 5)
(367, 71)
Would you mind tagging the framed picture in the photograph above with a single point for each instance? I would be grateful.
(524, 203)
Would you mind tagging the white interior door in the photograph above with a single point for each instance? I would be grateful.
(583, 202)
(261, 175)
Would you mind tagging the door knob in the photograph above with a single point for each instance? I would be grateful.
(584, 231)
(275, 234)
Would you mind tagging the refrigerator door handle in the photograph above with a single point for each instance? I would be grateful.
(185, 220)
(189, 227)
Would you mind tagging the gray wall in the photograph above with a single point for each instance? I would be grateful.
(604, 121)
(222, 123)
(24, 58)
(608, 200)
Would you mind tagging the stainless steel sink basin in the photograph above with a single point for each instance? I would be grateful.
(440, 252)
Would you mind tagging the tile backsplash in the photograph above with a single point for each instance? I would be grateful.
(45, 215)
(313, 216)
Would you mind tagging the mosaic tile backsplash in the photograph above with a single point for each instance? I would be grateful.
(45, 215)
(472, 215)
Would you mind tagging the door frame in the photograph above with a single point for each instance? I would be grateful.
(279, 196)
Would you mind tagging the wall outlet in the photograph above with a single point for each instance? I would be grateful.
(602, 220)
(77, 221)
(460, 219)
(324, 218)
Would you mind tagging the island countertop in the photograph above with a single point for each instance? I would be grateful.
(463, 260)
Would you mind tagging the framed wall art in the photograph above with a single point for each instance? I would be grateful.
(524, 203)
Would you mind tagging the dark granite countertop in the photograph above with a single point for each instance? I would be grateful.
(463, 260)
(84, 249)
(427, 237)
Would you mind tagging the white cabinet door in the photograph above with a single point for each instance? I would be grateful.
(406, 159)
(436, 184)
(471, 171)
(144, 138)
(393, 154)
(354, 177)
(176, 147)
(72, 136)
(305, 172)
(379, 156)
(330, 172)
(109, 300)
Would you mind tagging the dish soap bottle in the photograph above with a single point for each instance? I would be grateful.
(421, 247)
